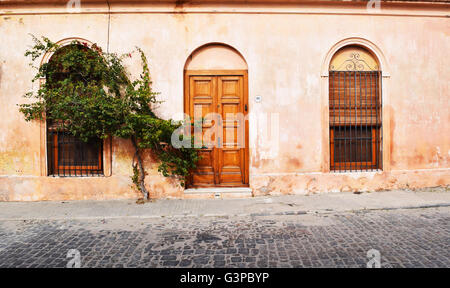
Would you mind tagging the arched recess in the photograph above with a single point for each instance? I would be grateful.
(215, 56)
(354, 58)
(356, 41)
(106, 154)
(64, 42)
(216, 90)
(337, 58)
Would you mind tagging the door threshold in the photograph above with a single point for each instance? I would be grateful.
(218, 192)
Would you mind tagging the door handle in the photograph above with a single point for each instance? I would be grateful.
(245, 107)
(219, 143)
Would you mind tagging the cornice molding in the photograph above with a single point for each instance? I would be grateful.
(433, 8)
(219, 2)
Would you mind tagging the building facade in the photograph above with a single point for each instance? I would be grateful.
(335, 95)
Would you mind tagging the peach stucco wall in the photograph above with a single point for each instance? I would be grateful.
(286, 49)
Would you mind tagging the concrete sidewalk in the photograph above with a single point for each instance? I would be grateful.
(258, 206)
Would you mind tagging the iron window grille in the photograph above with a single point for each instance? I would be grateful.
(355, 120)
(69, 156)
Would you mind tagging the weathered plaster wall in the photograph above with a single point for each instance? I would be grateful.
(284, 52)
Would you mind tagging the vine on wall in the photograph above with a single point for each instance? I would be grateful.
(89, 94)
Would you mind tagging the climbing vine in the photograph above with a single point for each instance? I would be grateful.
(90, 94)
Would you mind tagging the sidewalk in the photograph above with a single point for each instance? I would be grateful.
(258, 206)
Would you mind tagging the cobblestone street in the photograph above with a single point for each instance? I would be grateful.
(404, 238)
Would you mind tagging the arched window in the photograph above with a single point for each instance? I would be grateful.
(67, 155)
(355, 110)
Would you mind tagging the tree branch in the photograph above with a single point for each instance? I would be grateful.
(141, 178)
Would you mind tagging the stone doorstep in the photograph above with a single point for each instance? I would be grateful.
(219, 192)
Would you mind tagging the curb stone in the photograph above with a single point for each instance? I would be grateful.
(259, 214)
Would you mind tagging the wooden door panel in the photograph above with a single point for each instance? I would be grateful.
(202, 93)
(231, 170)
(232, 125)
(230, 137)
(223, 160)
(231, 151)
(204, 174)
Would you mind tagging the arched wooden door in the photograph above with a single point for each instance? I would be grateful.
(217, 101)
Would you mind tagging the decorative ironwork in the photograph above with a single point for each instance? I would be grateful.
(354, 63)
(69, 156)
(355, 120)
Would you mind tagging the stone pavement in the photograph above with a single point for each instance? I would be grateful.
(403, 238)
(407, 228)
(258, 206)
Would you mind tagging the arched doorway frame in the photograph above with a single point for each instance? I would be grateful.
(221, 72)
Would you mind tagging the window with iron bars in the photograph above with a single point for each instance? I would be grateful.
(69, 156)
(355, 120)
(66, 154)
